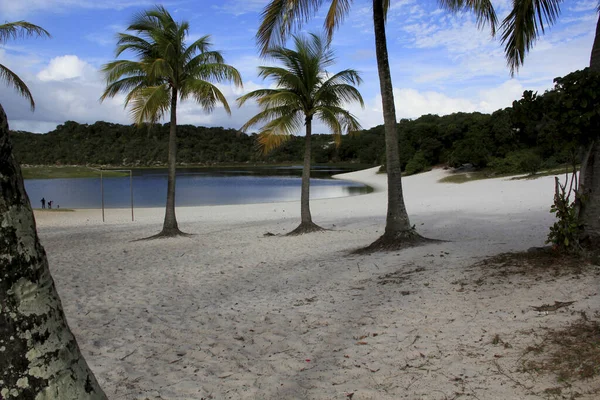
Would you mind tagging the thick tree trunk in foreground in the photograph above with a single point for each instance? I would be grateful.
(589, 191)
(170, 227)
(589, 208)
(39, 356)
(306, 223)
(398, 231)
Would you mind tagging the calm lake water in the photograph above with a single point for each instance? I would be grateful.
(194, 187)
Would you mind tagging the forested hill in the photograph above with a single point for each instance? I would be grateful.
(537, 131)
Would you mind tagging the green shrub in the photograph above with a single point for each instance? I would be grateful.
(516, 162)
(564, 234)
(416, 164)
(530, 162)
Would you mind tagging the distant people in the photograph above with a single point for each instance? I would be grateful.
(43, 200)
(50, 205)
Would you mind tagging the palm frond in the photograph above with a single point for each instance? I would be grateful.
(279, 17)
(255, 95)
(338, 10)
(200, 45)
(125, 85)
(269, 141)
(329, 118)
(523, 25)
(20, 29)
(115, 70)
(279, 131)
(204, 93)
(150, 104)
(138, 45)
(216, 72)
(270, 114)
(159, 69)
(207, 57)
(304, 89)
(339, 94)
(12, 79)
(349, 76)
(483, 10)
(164, 62)
(283, 98)
(347, 121)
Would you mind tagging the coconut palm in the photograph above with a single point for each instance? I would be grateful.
(280, 17)
(39, 337)
(167, 70)
(305, 90)
(14, 30)
(520, 30)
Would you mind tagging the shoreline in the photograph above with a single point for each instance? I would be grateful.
(46, 217)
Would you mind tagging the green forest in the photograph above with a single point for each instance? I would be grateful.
(539, 131)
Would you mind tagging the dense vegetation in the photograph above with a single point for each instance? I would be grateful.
(538, 131)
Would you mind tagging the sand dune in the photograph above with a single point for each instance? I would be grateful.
(231, 314)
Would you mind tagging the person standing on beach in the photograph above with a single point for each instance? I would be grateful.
(43, 202)
(50, 204)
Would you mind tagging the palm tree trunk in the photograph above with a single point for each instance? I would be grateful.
(589, 190)
(170, 227)
(397, 226)
(306, 223)
(305, 216)
(39, 356)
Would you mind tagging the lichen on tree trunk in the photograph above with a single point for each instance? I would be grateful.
(39, 356)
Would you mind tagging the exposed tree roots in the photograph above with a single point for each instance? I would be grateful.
(305, 227)
(398, 241)
(167, 233)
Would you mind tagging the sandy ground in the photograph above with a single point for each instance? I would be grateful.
(229, 313)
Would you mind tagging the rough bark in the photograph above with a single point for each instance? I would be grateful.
(398, 231)
(589, 189)
(39, 356)
(170, 227)
(306, 223)
(589, 193)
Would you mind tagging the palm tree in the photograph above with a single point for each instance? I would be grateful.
(41, 357)
(305, 90)
(520, 30)
(168, 70)
(280, 17)
(14, 30)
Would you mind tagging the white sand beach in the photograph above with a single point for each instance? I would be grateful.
(229, 313)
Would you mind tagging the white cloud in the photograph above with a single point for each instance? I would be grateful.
(584, 5)
(69, 88)
(66, 67)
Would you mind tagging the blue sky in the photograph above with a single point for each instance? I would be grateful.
(440, 63)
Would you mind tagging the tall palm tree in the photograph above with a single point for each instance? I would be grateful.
(280, 17)
(520, 30)
(305, 90)
(167, 70)
(41, 357)
(14, 30)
